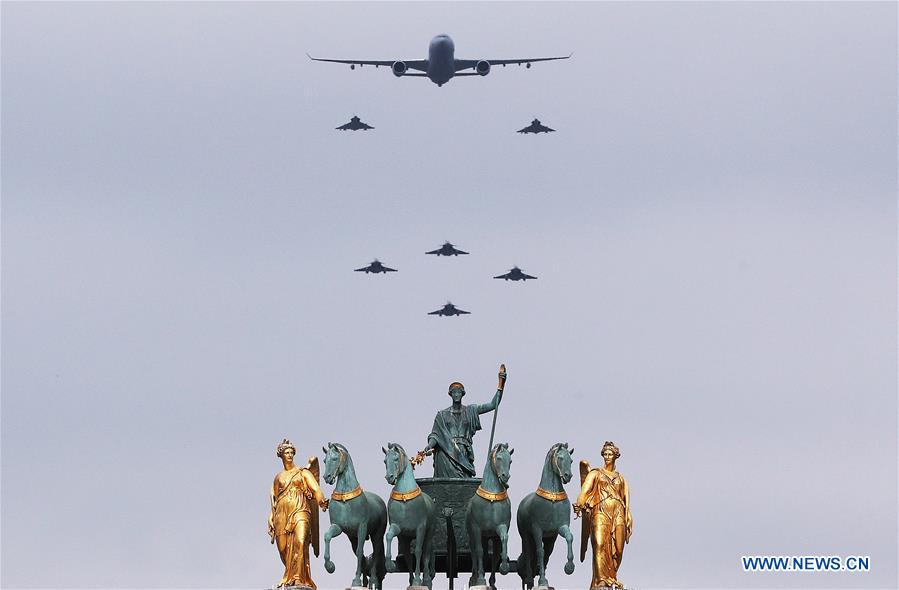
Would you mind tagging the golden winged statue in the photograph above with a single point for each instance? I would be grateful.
(604, 502)
(293, 522)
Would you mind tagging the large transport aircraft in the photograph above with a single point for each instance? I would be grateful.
(441, 65)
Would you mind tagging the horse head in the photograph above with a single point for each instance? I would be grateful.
(559, 456)
(395, 462)
(336, 457)
(501, 461)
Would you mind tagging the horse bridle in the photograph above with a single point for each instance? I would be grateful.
(555, 461)
(341, 463)
(401, 461)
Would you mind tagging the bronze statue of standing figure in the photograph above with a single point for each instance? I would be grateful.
(604, 502)
(293, 522)
(452, 434)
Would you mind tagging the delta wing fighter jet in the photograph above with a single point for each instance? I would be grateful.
(515, 275)
(446, 249)
(354, 125)
(441, 65)
(448, 310)
(536, 127)
(375, 267)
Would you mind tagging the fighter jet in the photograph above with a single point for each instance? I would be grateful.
(354, 125)
(536, 127)
(448, 310)
(375, 267)
(441, 65)
(446, 249)
(515, 275)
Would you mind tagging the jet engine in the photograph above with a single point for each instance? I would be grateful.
(482, 67)
(399, 68)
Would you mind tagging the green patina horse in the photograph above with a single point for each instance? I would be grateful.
(412, 516)
(361, 515)
(543, 515)
(488, 515)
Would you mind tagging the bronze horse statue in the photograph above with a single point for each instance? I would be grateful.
(359, 514)
(488, 515)
(543, 515)
(412, 517)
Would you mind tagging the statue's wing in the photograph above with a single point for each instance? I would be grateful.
(585, 516)
(313, 467)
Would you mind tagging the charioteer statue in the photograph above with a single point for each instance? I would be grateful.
(451, 437)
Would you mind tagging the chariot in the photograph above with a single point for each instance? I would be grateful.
(452, 553)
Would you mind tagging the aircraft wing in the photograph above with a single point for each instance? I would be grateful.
(528, 129)
(386, 269)
(461, 311)
(438, 312)
(365, 269)
(506, 276)
(437, 251)
(464, 64)
(524, 276)
(544, 128)
(344, 127)
(458, 251)
(413, 64)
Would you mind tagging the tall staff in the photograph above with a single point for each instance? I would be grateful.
(500, 386)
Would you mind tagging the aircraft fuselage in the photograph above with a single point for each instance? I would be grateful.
(441, 59)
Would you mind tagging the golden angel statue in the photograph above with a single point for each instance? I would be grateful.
(604, 502)
(293, 522)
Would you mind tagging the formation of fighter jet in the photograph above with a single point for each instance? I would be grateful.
(536, 127)
(515, 275)
(441, 65)
(354, 125)
(449, 310)
(446, 249)
(375, 267)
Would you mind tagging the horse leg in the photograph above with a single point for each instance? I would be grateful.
(503, 532)
(537, 535)
(526, 561)
(392, 531)
(565, 533)
(419, 546)
(491, 543)
(354, 545)
(375, 571)
(428, 559)
(361, 533)
(477, 556)
(333, 531)
(549, 544)
(404, 549)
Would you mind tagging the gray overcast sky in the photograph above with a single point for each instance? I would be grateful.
(713, 225)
